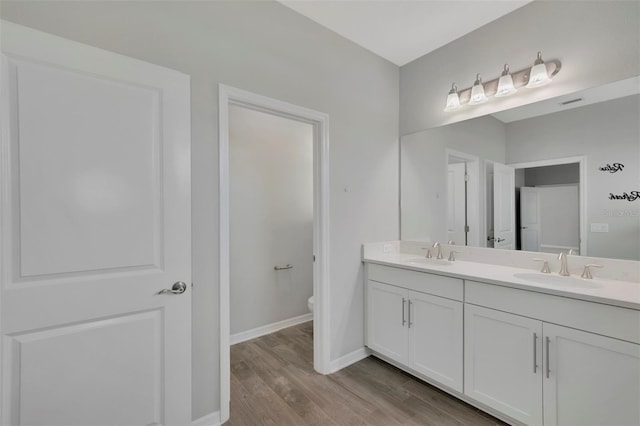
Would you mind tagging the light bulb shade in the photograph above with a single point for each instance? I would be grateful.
(538, 75)
(453, 100)
(505, 84)
(477, 93)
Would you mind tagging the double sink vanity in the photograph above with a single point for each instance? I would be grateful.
(489, 328)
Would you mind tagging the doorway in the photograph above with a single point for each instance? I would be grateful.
(551, 192)
(227, 97)
(271, 222)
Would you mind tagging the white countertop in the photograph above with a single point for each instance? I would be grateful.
(625, 294)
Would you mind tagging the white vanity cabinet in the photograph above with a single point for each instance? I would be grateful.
(591, 380)
(524, 366)
(421, 330)
(503, 362)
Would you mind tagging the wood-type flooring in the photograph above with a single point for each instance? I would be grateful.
(273, 383)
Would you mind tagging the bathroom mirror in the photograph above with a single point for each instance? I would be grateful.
(551, 176)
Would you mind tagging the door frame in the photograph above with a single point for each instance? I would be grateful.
(582, 188)
(227, 96)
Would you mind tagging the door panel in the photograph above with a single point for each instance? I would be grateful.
(504, 206)
(500, 352)
(456, 203)
(95, 208)
(593, 380)
(435, 338)
(387, 308)
(123, 355)
(529, 218)
(88, 175)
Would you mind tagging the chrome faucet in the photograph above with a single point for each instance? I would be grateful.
(562, 257)
(437, 245)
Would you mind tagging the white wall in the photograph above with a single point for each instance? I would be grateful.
(271, 218)
(266, 48)
(605, 133)
(559, 218)
(424, 172)
(596, 41)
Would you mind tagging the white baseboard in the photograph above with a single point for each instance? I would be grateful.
(212, 419)
(348, 359)
(268, 329)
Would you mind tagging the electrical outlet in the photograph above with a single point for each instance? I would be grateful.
(387, 248)
(599, 227)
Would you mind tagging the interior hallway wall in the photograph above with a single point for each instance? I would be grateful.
(266, 48)
(271, 218)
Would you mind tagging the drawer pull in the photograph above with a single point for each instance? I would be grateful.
(535, 352)
(547, 356)
(403, 303)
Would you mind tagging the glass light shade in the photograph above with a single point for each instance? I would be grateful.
(477, 93)
(453, 100)
(538, 75)
(505, 84)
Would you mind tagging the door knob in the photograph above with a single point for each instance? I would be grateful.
(177, 288)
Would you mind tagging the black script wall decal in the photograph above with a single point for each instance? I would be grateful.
(631, 196)
(612, 168)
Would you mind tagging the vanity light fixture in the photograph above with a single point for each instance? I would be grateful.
(453, 100)
(507, 84)
(538, 75)
(477, 92)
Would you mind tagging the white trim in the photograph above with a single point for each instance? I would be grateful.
(582, 162)
(321, 332)
(243, 336)
(212, 419)
(348, 359)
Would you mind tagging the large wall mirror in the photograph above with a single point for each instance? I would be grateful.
(558, 175)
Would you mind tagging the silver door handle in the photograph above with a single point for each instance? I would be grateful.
(547, 356)
(499, 240)
(535, 352)
(177, 288)
(403, 320)
(409, 316)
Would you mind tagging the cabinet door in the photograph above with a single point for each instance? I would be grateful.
(503, 364)
(592, 379)
(435, 338)
(387, 331)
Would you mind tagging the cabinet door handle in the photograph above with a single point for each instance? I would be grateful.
(547, 356)
(409, 316)
(535, 352)
(403, 320)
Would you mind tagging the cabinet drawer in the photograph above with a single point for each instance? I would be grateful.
(613, 321)
(451, 288)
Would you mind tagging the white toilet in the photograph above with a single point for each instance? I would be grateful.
(310, 304)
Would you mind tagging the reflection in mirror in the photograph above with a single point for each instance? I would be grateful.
(553, 176)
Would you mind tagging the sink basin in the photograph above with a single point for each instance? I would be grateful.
(558, 280)
(429, 262)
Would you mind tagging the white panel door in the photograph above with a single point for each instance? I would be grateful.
(387, 309)
(503, 362)
(504, 207)
(435, 338)
(529, 218)
(591, 379)
(456, 203)
(95, 205)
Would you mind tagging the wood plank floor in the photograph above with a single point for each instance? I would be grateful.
(273, 383)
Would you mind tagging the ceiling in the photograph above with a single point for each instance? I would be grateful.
(403, 30)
